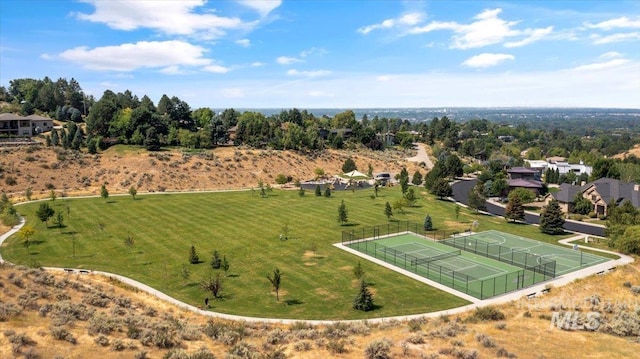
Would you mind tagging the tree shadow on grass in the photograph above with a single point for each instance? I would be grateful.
(233, 275)
(293, 302)
(70, 232)
(350, 224)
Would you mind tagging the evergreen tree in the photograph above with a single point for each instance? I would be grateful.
(417, 178)
(133, 192)
(193, 255)
(358, 271)
(327, 192)
(55, 139)
(104, 193)
(551, 219)
(225, 265)
(388, 211)
(428, 223)
(216, 262)
(342, 213)
(364, 300)
(77, 139)
(318, 191)
(349, 165)
(515, 209)
(403, 178)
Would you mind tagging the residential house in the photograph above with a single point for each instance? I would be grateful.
(521, 177)
(40, 124)
(563, 167)
(600, 193)
(12, 125)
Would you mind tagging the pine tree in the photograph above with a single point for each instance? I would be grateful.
(428, 223)
(215, 260)
(514, 210)
(193, 256)
(327, 192)
(364, 300)
(318, 191)
(388, 211)
(342, 213)
(551, 219)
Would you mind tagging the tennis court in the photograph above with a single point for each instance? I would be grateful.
(467, 272)
(521, 251)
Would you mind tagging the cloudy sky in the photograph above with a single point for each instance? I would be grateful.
(333, 54)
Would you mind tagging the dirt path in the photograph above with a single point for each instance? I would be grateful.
(421, 156)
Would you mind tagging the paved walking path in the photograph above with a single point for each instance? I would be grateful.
(537, 289)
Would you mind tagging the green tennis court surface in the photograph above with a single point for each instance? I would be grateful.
(504, 245)
(482, 265)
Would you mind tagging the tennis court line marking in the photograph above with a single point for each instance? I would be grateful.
(478, 264)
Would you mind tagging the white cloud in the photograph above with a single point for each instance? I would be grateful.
(263, 7)
(285, 60)
(172, 70)
(487, 29)
(602, 65)
(618, 23)
(257, 64)
(132, 56)
(169, 17)
(409, 19)
(243, 42)
(487, 60)
(610, 55)
(314, 73)
(534, 35)
(216, 69)
(621, 37)
(314, 51)
(46, 57)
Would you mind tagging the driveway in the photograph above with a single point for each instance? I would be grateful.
(421, 156)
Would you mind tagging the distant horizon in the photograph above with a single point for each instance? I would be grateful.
(333, 54)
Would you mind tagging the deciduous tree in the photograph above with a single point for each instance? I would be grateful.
(276, 280)
(514, 210)
(104, 193)
(45, 212)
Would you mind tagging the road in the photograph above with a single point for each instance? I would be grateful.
(461, 194)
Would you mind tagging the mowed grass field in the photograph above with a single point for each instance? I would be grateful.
(317, 281)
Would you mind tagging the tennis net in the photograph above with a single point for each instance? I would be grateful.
(418, 261)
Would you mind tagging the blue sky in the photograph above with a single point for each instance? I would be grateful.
(333, 54)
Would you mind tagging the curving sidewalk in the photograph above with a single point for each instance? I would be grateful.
(529, 291)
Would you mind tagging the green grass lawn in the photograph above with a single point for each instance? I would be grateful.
(245, 228)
